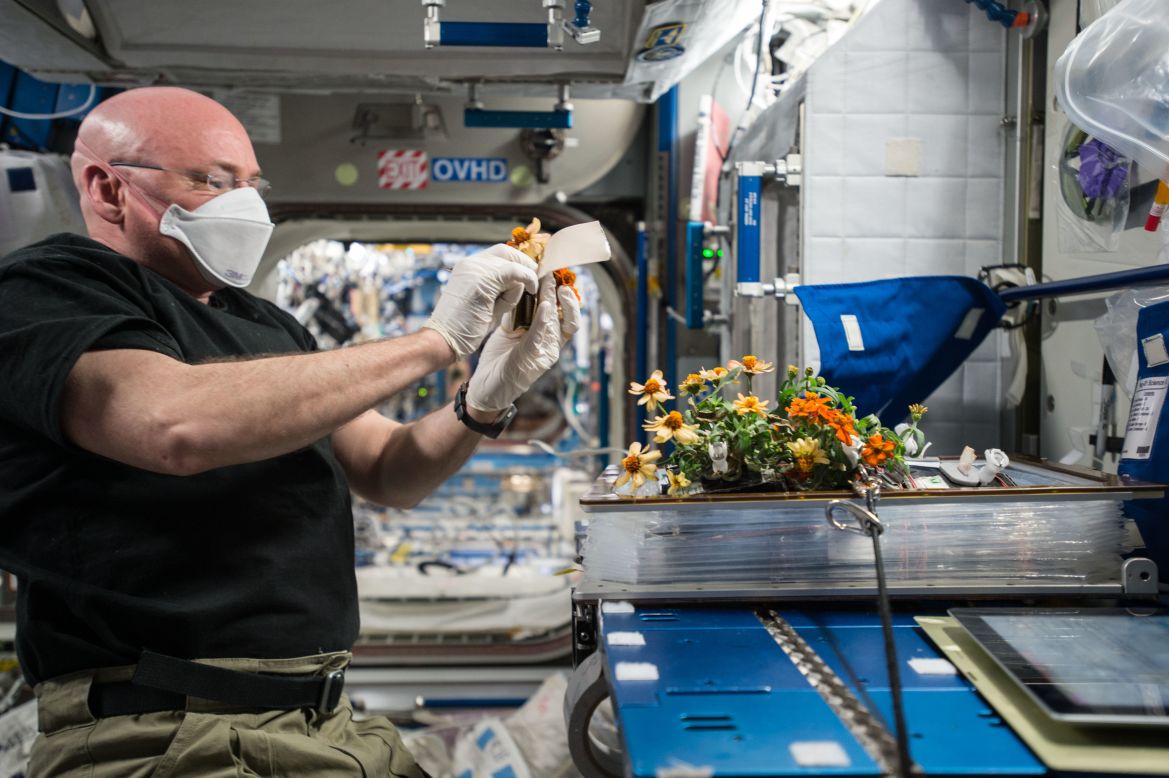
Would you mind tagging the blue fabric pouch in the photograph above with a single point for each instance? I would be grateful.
(891, 342)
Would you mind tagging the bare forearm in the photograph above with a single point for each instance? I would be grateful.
(419, 456)
(192, 418)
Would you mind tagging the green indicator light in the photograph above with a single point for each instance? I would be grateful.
(423, 391)
(720, 253)
(707, 253)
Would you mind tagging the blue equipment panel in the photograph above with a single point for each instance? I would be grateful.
(952, 731)
(728, 698)
(747, 236)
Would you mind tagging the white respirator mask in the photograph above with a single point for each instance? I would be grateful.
(226, 235)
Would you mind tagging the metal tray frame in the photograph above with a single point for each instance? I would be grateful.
(1074, 483)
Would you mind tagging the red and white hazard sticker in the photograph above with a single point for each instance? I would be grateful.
(402, 169)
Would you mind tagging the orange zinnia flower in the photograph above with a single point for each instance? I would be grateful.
(843, 424)
(813, 407)
(567, 278)
(877, 450)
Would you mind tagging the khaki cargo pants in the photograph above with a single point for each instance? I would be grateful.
(210, 741)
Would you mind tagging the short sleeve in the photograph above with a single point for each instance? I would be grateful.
(52, 310)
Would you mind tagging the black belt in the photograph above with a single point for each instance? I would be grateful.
(163, 683)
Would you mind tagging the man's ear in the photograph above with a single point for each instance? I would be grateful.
(106, 193)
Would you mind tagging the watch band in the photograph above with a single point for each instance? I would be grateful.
(488, 430)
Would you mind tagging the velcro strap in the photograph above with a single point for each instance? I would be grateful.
(193, 679)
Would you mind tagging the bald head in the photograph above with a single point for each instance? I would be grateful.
(163, 125)
(169, 136)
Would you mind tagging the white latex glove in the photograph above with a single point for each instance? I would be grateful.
(513, 359)
(481, 289)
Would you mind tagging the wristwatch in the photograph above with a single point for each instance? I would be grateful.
(490, 430)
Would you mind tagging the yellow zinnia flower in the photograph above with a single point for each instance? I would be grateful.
(808, 454)
(678, 482)
(673, 427)
(693, 384)
(714, 374)
(638, 466)
(529, 240)
(752, 365)
(653, 392)
(916, 411)
(750, 404)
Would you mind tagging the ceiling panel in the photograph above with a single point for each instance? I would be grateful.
(357, 37)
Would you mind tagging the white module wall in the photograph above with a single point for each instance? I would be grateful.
(904, 160)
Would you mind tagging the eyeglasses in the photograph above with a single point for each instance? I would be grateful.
(213, 182)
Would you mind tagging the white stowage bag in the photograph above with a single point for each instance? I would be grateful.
(532, 742)
(37, 198)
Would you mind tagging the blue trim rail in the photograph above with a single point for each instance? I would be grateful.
(695, 243)
(479, 118)
(1155, 274)
(511, 34)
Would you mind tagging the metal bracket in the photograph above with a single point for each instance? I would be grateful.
(550, 34)
(781, 288)
(476, 115)
(750, 176)
(1139, 576)
(579, 28)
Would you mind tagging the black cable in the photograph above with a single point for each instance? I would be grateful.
(904, 764)
(754, 82)
(724, 171)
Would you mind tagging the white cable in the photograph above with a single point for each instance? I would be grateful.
(57, 115)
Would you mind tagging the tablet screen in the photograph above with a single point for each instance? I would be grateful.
(1105, 666)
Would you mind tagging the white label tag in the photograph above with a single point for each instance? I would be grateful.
(819, 753)
(969, 324)
(932, 666)
(616, 606)
(1154, 348)
(852, 332)
(626, 639)
(636, 671)
(1143, 417)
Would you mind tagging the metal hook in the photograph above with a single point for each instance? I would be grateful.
(867, 522)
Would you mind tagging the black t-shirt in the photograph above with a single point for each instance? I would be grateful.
(253, 560)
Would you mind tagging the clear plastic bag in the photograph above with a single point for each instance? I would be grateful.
(1094, 188)
(1117, 330)
(1113, 81)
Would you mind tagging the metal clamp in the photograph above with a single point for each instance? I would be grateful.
(580, 28)
(475, 113)
(867, 523)
(549, 34)
(1139, 576)
(431, 29)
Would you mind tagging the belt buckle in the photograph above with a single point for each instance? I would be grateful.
(331, 688)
